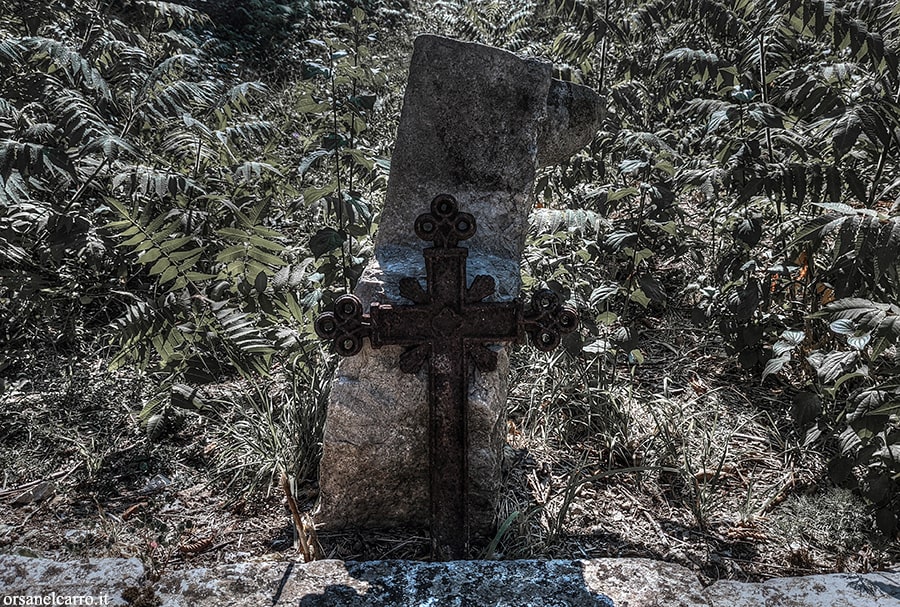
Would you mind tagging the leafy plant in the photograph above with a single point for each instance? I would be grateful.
(339, 161)
(858, 400)
(138, 181)
(273, 430)
(774, 125)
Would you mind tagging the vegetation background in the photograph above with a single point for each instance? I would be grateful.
(183, 187)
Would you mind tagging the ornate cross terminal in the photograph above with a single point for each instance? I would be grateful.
(446, 323)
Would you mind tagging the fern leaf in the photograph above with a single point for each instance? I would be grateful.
(13, 190)
(78, 70)
(111, 146)
(178, 98)
(143, 180)
(247, 347)
(551, 221)
(237, 97)
(125, 67)
(250, 132)
(32, 160)
(156, 241)
(146, 329)
(171, 13)
(250, 171)
(12, 50)
(698, 65)
(79, 119)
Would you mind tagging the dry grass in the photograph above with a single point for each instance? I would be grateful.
(72, 430)
(683, 459)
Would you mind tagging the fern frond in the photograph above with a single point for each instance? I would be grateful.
(193, 144)
(824, 19)
(40, 132)
(578, 47)
(248, 132)
(251, 170)
(45, 52)
(632, 98)
(173, 66)
(551, 221)
(126, 67)
(696, 65)
(174, 42)
(111, 146)
(179, 97)
(157, 241)
(246, 346)
(237, 97)
(13, 190)
(863, 246)
(143, 180)
(172, 14)
(78, 118)
(12, 50)
(254, 251)
(33, 160)
(147, 328)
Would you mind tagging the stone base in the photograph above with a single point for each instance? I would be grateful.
(587, 583)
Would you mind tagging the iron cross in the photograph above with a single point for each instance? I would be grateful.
(447, 323)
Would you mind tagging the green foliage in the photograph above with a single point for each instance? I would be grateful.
(746, 169)
(342, 170)
(138, 190)
(273, 429)
(146, 196)
(493, 22)
(860, 387)
(259, 26)
(774, 126)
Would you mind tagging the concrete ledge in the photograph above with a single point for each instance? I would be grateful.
(331, 583)
(835, 590)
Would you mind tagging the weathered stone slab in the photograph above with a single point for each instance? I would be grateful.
(570, 108)
(106, 581)
(476, 124)
(558, 583)
(604, 583)
(835, 590)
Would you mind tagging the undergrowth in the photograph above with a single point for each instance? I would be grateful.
(160, 202)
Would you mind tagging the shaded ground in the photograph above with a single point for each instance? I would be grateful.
(676, 460)
(686, 460)
(81, 478)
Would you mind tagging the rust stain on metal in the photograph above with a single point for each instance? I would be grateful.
(446, 323)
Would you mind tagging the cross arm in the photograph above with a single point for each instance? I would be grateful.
(548, 320)
(346, 326)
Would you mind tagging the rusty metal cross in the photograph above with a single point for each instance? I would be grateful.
(447, 323)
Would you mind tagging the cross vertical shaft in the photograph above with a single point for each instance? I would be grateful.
(448, 378)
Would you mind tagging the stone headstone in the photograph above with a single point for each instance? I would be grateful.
(477, 123)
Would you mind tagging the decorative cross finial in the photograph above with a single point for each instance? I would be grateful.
(445, 226)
